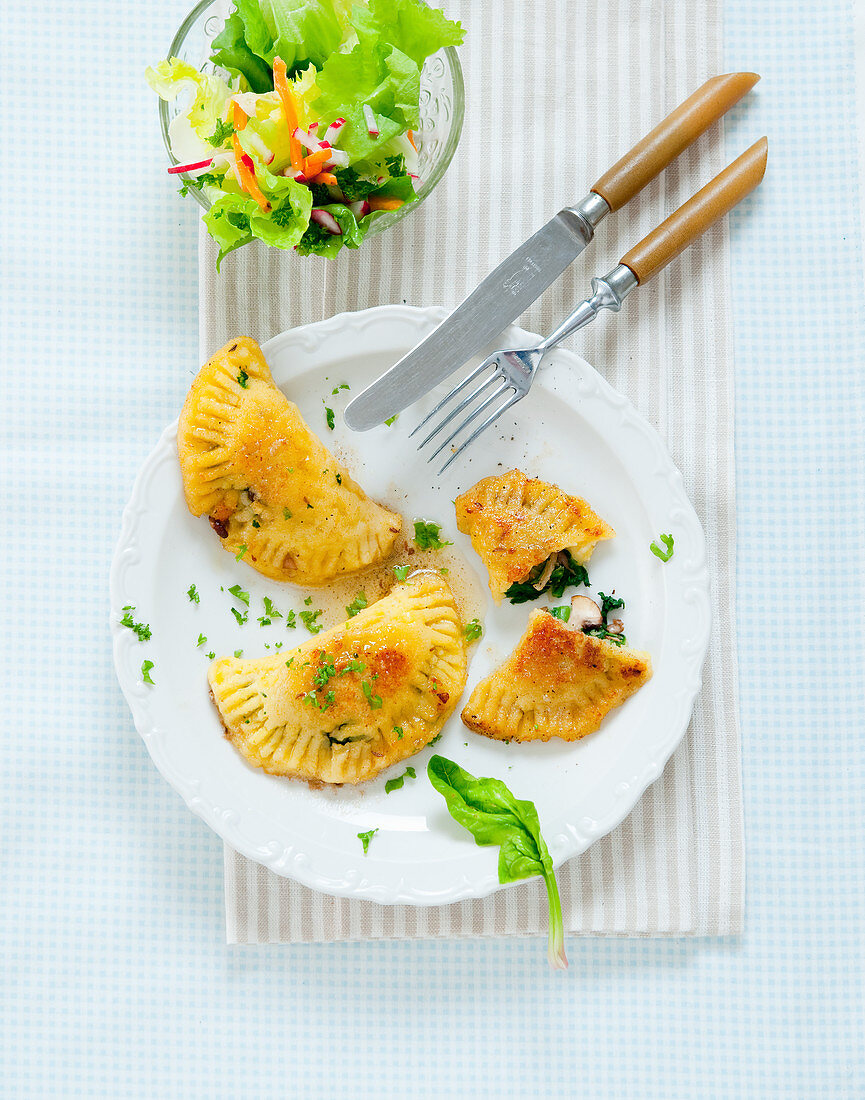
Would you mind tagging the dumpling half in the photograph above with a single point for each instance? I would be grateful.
(354, 700)
(558, 682)
(517, 523)
(267, 483)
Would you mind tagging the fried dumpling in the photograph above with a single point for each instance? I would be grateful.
(517, 523)
(354, 700)
(558, 682)
(267, 483)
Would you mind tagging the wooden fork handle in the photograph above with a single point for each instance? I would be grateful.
(692, 219)
(651, 156)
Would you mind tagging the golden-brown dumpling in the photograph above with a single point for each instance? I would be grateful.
(251, 464)
(516, 523)
(347, 704)
(558, 682)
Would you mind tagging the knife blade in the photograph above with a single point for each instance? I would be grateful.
(503, 295)
(527, 272)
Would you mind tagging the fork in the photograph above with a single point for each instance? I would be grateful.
(506, 376)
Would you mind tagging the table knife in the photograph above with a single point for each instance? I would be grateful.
(521, 278)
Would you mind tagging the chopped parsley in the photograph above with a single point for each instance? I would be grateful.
(473, 630)
(357, 605)
(240, 616)
(566, 572)
(221, 134)
(373, 700)
(310, 620)
(142, 630)
(211, 655)
(444, 571)
(352, 185)
(435, 740)
(339, 479)
(563, 612)
(308, 600)
(238, 653)
(270, 612)
(289, 662)
(192, 593)
(391, 420)
(255, 522)
(201, 640)
(286, 514)
(365, 838)
(328, 414)
(664, 555)
(326, 671)
(291, 620)
(146, 666)
(239, 594)
(401, 572)
(243, 379)
(399, 781)
(241, 550)
(398, 730)
(336, 389)
(426, 535)
(395, 165)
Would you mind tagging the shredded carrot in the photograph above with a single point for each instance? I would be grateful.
(379, 202)
(410, 136)
(280, 83)
(313, 164)
(325, 177)
(245, 167)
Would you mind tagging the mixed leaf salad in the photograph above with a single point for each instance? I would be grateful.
(307, 137)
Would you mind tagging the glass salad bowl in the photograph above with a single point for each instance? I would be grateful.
(442, 104)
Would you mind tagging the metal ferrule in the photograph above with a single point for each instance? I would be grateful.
(609, 293)
(591, 211)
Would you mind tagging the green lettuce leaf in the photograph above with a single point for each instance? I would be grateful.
(410, 25)
(317, 241)
(232, 51)
(302, 31)
(228, 222)
(377, 74)
(210, 94)
(236, 219)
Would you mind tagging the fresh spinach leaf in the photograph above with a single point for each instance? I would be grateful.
(493, 815)
(566, 573)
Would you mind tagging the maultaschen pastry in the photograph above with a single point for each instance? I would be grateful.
(558, 682)
(517, 523)
(275, 496)
(345, 705)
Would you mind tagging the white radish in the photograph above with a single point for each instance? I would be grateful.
(327, 221)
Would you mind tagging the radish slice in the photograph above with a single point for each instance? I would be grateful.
(197, 166)
(338, 158)
(261, 150)
(332, 132)
(313, 126)
(371, 124)
(311, 143)
(326, 221)
(360, 208)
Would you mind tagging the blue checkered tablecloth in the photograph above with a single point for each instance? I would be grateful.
(116, 978)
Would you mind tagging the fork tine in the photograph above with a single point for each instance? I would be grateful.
(448, 397)
(494, 377)
(472, 416)
(489, 420)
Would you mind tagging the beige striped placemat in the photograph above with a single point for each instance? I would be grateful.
(556, 90)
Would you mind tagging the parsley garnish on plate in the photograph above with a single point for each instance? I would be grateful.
(145, 671)
(238, 653)
(141, 630)
(664, 555)
(310, 619)
(240, 616)
(357, 605)
(401, 572)
(239, 594)
(391, 420)
(202, 638)
(365, 838)
(426, 535)
(329, 417)
(291, 620)
(395, 784)
(241, 550)
(192, 593)
(473, 630)
(336, 389)
(211, 655)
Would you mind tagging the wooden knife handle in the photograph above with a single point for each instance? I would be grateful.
(692, 219)
(651, 156)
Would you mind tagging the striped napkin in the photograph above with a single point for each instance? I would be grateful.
(555, 92)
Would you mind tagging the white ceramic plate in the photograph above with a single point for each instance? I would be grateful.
(573, 429)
